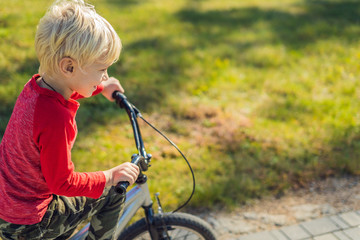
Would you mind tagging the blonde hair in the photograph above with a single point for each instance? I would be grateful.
(72, 28)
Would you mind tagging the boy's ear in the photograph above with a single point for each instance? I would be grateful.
(66, 65)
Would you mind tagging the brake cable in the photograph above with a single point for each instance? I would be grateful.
(176, 147)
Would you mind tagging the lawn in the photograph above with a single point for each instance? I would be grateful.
(261, 95)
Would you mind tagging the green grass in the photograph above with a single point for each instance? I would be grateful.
(261, 95)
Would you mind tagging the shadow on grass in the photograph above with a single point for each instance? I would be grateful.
(5, 113)
(124, 3)
(158, 78)
(319, 20)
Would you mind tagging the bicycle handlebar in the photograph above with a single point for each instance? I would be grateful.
(121, 187)
(121, 99)
(141, 159)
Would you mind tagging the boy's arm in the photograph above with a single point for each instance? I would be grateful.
(54, 135)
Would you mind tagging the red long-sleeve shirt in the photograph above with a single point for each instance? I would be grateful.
(35, 155)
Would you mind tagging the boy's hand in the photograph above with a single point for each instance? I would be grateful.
(111, 85)
(127, 172)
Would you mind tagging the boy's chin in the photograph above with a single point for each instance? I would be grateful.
(88, 94)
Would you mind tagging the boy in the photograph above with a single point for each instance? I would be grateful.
(41, 196)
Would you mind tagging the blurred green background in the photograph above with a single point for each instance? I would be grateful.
(261, 95)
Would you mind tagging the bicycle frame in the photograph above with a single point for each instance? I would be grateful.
(138, 196)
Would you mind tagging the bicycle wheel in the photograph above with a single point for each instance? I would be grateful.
(178, 226)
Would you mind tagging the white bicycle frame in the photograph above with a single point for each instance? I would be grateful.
(138, 196)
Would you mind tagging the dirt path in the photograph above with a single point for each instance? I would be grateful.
(321, 198)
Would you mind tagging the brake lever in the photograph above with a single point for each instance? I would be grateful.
(143, 164)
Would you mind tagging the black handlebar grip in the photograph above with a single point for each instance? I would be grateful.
(118, 95)
(121, 99)
(121, 187)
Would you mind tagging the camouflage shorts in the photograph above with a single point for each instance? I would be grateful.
(64, 214)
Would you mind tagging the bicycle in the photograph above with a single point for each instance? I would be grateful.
(160, 226)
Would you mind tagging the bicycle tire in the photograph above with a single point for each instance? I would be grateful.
(179, 226)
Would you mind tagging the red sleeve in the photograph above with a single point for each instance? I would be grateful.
(56, 133)
(98, 90)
